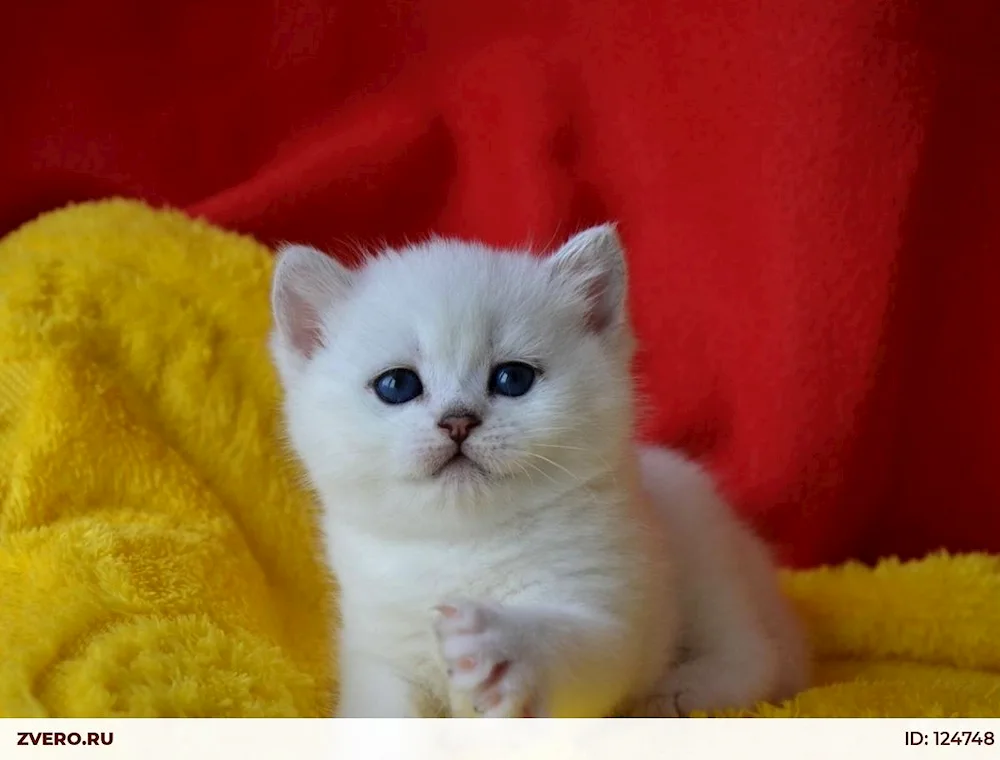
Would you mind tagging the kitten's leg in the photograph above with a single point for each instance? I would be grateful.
(530, 661)
(372, 688)
(742, 646)
(729, 660)
(740, 640)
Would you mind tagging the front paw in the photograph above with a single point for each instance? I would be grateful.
(489, 671)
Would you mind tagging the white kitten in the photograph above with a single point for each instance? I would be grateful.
(502, 547)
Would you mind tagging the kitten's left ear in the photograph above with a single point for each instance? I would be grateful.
(593, 262)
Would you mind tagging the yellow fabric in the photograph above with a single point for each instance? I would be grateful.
(159, 557)
(914, 639)
(156, 557)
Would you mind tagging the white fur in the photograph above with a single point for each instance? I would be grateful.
(570, 573)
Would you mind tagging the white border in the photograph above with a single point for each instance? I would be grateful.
(734, 739)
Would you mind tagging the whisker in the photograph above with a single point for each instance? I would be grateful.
(551, 429)
(539, 470)
(524, 470)
(554, 464)
(559, 446)
(562, 447)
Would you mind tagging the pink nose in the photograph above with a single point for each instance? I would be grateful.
(459, 427)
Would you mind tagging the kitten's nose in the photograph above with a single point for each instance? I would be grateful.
(459, 426)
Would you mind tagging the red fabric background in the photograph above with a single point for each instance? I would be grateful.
(810, 192)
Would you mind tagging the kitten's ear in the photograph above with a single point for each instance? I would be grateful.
(593, 263)
(305, 284)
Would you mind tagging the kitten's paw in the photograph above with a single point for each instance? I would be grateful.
(660, 705)
(487, 668)
(707, 686)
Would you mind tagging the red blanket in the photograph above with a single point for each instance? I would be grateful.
(809, 190)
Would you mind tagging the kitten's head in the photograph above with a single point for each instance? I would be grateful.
(450, 371)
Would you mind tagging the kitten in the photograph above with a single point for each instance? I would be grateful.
(501, 545)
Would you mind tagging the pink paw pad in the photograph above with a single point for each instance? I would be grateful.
(479, 646)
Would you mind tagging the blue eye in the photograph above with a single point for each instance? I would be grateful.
(512, 379)
(397, 386)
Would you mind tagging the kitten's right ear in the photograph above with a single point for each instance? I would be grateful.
(305, 284)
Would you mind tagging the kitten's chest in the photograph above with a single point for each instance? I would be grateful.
(400, 579)
(388, 596)
(389, 589)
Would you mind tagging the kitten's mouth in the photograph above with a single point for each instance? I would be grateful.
(459, 463)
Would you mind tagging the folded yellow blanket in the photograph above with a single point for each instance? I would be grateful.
(158, 555)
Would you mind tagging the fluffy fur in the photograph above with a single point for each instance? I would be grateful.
(554, 569)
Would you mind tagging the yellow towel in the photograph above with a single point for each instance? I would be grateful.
(158, 556)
